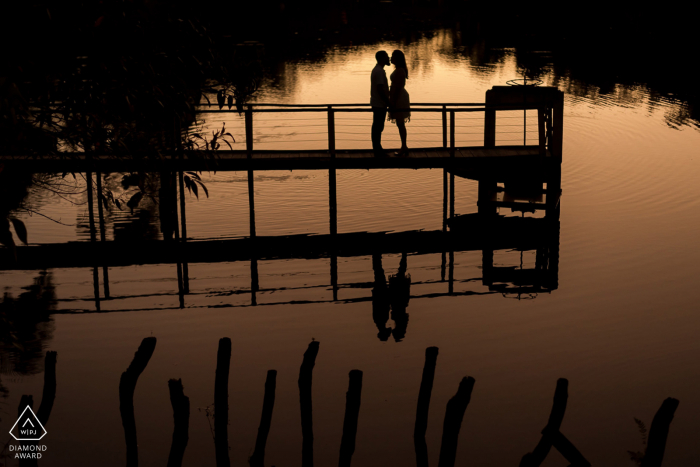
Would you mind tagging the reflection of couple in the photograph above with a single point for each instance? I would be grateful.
(394, 297)
(396, 99)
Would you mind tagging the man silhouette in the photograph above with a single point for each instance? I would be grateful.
(379, 100)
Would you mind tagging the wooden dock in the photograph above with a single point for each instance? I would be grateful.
(468, 158)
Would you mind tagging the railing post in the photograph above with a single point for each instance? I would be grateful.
(249, 131)
(541, 131)
(444, 126)
(331, 131)
(452, 133)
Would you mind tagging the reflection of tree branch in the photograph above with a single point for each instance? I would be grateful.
(32, 212)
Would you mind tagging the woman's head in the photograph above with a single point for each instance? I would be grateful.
(399, 61)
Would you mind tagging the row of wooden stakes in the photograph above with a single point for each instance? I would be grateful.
(454, 413)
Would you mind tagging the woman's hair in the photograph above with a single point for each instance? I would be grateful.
(399, 60)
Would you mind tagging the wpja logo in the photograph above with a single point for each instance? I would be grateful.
(28, 428)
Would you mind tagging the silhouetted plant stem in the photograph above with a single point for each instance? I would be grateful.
(556, 416)
(127, 386)
(49, 394)
(258, 457)
(352, 412)
(181, 417)
(658, 433)
(426, 389)
(453, 422)
(223, 362)
(304, 382)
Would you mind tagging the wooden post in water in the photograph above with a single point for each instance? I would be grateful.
(223, 363)
(426, 389)
(93, 239)
(454, 414)
(181, 418)
(304, 382)
(100, 212)
(258, 457)
(658, 433)
(556, 416)
(352, 412)
(127, 386)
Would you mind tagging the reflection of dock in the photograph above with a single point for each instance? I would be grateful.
(526, 236)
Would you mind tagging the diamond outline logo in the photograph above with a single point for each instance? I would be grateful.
(28, 419)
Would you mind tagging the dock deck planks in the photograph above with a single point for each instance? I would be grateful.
(418, 158)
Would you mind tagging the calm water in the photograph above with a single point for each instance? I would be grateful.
(622, 325)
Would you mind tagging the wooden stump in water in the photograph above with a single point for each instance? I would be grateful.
(127, 386)
(223, 362)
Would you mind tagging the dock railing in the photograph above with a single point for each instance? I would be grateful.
(547, 110)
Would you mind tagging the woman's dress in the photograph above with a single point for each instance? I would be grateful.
(398, 84)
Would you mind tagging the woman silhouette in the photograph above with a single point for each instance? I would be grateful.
(399, 102)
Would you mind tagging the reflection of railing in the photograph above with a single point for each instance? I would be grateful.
(445, 125)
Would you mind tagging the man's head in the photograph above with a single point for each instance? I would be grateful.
(382, 58)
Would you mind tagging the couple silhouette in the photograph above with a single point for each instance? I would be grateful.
(395, 100)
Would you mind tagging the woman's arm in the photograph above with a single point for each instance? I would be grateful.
(398, 83)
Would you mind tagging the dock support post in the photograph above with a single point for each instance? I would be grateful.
(93, 239)
(452, 134)
(253, 254)
(444, 221)
(100, 212)
(172, 181)
(333, 220)
(183, 238)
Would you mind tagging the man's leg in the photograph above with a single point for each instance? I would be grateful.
(378, 118)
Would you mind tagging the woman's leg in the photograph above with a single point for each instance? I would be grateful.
(402, 132)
